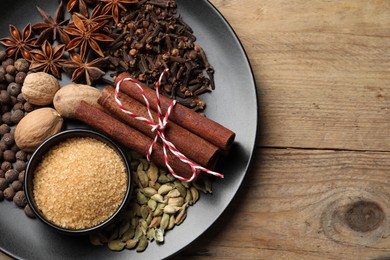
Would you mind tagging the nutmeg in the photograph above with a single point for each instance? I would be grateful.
(36, 127)
(39, 88)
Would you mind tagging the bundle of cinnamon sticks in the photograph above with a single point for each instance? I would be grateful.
(200, 139)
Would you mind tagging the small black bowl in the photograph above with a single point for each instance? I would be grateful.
(36, 159)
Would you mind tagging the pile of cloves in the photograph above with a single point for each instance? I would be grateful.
(153, 37)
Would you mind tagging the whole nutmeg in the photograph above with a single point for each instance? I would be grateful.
(20, 199)
(39, 88)
(36, 127)
(69, 97)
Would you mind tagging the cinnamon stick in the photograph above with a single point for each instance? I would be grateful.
(191, 145)
(127, 136)
(181, 115)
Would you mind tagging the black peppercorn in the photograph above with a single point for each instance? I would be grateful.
(20, 165)
(16, 116)
(7, 118)
(17, 185)
(22, 65)
(9, 193)
(29, 213)
(5, 98)
(1, 195)
(21, 155)
(4, 128)
(8, 139)
(20, 199)
(5, 166)
(3, 184)
(14, 89)
(11, 175)
(9, 156)
(21, 176)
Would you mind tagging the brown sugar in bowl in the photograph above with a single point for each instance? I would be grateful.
(78, 181)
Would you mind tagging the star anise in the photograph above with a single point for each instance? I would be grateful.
(81, 5)
(115, 5)
(84, 71)
(51, 28)
(86, 37)
(19, 43)
(48, 59)
(96, 17)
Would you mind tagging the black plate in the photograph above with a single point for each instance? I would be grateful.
(233, 104)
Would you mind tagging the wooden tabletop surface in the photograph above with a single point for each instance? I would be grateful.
(319, 186)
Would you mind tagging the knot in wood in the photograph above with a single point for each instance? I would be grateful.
(364, 216)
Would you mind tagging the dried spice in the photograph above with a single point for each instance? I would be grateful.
(52, 28)
(80, 5)
(84, 71)
(86, 38)
(48, 59)
(19, 43)
(114, 6)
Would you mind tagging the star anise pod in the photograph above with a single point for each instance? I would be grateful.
(19, 43)
(96, 17)
(48, 59)
(115, 5)
(80, 5)
(84, 71)
(51, 28)
(86, 37)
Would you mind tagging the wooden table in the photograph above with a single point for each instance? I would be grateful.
(319, 187)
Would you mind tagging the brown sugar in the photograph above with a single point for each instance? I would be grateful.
(80, 183)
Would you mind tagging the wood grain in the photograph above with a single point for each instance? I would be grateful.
(306, 204)
(322, 70)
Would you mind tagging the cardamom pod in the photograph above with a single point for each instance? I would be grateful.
(129, 234)
(171, 224)
(159, 235)
(149, 191)
(142, 244)
(181, 216)
(176, 202)
(131, 243)
(150, 234)
(94, 239)
(158, 198)
(194, 194)
(173, 194)
(169, 209)
(164, 189)
(152, 173)
(141, 198)
(188, 197)
(155, 222)
(159, 210)
(123, 228)
(116, 245)
(152, 204)
(179, 186)
(164, 221)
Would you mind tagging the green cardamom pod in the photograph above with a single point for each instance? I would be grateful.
(173, 194)
(116, 245)
(164, 189)
(131, 243)
(142, 244)
(159, 235)
(149, 191)
(164, 221)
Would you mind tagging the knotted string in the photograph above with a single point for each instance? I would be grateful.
(159, 128)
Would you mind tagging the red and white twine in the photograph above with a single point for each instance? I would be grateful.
(159, 128)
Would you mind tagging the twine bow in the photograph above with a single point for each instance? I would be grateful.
(159, 128)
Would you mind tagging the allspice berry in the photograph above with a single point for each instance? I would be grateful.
(17, 185)
(5, 98)
(21, 155)
(29, 213)
(21, 176)
(3, 184)
(20, 165)
(14, 89)
(11, 175)
(8, 139)
(21, 65)
(16, 116)
(20, 76)
(20, 199)
(6, 117)
(4, 128)
(9, 193)
(9, 156)
(2, 173)
(5, 166)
